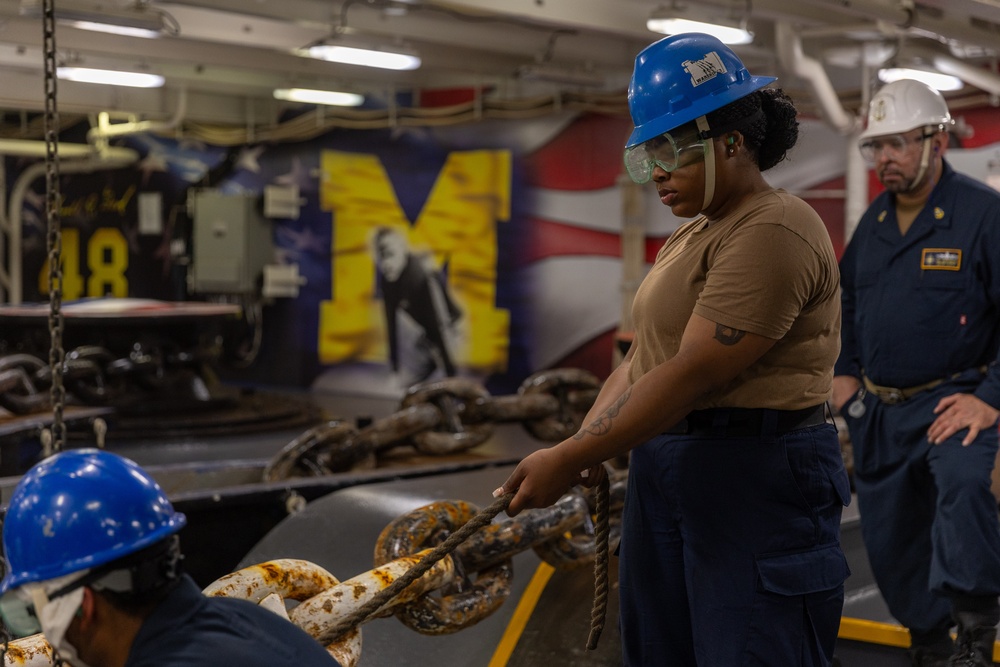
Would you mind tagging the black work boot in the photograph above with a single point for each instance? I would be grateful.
(931, 648)
(922, 657)
(976, 633)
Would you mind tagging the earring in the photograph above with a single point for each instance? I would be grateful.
(732, 150)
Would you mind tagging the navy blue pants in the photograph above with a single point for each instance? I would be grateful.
(730, 553)
(928, 517)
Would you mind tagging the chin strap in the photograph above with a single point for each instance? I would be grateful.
(925, 162)
(702, 123)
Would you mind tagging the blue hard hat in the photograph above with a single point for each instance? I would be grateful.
(80, 509)
(682, 77)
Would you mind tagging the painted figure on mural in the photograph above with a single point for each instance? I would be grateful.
(421, 316)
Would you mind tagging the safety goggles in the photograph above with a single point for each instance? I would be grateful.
(666, 152)
(893, 146)
(19, 609)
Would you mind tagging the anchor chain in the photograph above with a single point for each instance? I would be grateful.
(93, 375)
(441, 417)
(436, 418)
(468, 545)
(448, 556)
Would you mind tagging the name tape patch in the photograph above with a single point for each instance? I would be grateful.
(941, 259)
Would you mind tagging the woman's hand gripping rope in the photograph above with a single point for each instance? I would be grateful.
(596, 476)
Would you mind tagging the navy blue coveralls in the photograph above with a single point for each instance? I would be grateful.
(919, 308)
(190, 629)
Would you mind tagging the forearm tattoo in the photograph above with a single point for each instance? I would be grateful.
(728, 335)
(602, 424)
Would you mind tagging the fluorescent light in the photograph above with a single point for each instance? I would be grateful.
(128, 31)
(330, 97)
(673, 26)
(110, 77)
(351, 55)
(942, 82)
(133, 21)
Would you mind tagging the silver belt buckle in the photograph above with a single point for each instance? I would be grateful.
(894, 396)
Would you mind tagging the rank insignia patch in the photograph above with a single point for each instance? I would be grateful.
(941, 259)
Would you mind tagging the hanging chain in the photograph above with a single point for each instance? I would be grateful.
(54, 238)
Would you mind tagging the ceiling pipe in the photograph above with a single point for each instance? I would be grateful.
(98, 136)
(970, 74)
(794, 60)
(30, 148)
(951, 27)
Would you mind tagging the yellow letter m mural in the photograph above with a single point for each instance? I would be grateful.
(456, 230)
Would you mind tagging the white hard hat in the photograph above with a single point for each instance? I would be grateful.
(905, 105)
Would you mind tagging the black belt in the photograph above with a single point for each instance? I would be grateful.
(737, 422)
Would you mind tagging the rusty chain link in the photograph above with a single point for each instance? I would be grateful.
(91, 374)
(457, 589)
(32, 651)
(439, 417)
(446, 416)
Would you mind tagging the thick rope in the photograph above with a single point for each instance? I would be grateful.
(362, 613)
(602, 533)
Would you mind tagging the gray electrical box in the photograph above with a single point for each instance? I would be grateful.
(231, 245)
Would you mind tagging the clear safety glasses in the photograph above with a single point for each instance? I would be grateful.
(893, 146)
(666, 152)
(18, 609)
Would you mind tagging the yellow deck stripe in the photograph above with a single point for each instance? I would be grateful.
(861, 630)
(887, 634)
(854, 629)
(525, 607)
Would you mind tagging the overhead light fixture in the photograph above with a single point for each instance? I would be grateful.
(134, 21)
(671, 22)
(936, 80)
(110, 77)
(129, 31)
(366, 57)
(307, 96)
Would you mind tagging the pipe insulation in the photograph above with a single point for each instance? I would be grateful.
(793, 59)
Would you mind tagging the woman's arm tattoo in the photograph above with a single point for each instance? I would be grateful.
(728, 335)
(602, 424)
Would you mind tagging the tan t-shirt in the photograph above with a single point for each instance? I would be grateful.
(768, 268)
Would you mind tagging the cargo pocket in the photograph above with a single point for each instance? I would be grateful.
(797, 607)
(804, 572)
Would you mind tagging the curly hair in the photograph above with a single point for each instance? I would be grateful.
(767, 119)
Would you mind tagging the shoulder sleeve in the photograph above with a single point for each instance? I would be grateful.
(769, 270)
